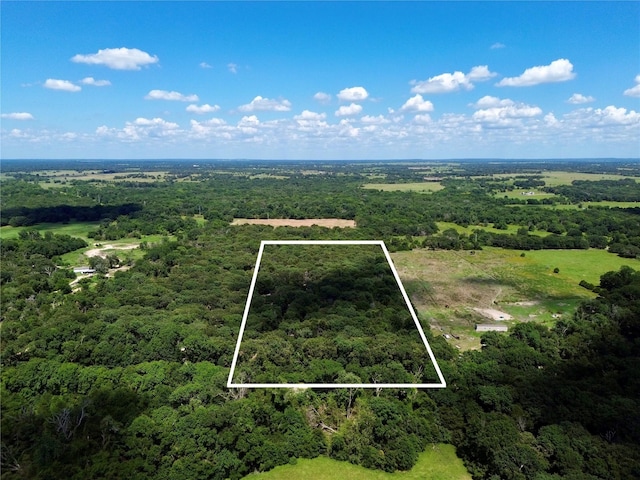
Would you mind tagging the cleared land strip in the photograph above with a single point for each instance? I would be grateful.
(288, 222)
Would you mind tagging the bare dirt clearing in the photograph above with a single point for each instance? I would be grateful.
(104, 250)
(287, 222)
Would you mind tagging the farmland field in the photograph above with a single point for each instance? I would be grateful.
(287, 222)
(421, 187)
(438, 462)
(553, 179)
(74, 229)
(446, 286)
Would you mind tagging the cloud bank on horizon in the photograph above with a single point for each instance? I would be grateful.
(255, 91)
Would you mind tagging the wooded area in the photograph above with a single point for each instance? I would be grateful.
(125, 375)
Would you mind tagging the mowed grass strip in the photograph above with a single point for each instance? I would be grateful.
(73, 229)
(421, 187)
(439, 462)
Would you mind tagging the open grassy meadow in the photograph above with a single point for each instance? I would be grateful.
(421, 187)
(553, 179)
(447, 287)
(126, 248)
(74, 229)
(522, 194)
(511, 229)
(438, 462)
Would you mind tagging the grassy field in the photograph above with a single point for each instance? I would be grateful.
(597, 204)
(553, 179)
(511, 229)
(74, 229)
(520, 194)
(54, 178)
(124, 249)
(439, 462)
(421, 187)
(446, 286)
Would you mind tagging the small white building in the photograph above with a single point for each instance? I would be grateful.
(489, 327)
(84, 270)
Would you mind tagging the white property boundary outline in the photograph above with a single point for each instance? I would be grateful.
(230, 384)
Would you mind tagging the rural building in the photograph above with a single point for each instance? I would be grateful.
(84, 270)
(488, 327)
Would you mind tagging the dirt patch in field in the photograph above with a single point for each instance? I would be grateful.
(102, 251)
(287, 222)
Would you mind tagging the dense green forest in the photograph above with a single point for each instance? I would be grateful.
(330, 314)
(124, 374)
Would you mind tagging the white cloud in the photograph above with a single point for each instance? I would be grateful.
(417, 104)
(488, 101)
(17, 116)
(503, 112)
(94, 82)
(233, 68)
(635, 90)
(309, 115)
(559, 70)
(205, 65)
(248, 125)
(17, 133)
(154, 121)
(353, 94)
(348, 110)
(140, 129)
(551, 120)
(348, 130)
(497, 45)
(64, 85)
(214, 127)
(309, 121)
(175, 96)
(117, 58)
(379, 120)
(452, 82)
(422, 118)
(206, 108)
(609, 116)
(578, 98)
(322, 97)
(480, 73)
(265, 104)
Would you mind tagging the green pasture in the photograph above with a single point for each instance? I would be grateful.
(124, 249)
(446, 286)
(268, 175)
(81, 230)
(74, 229)
(420, 187)
(511, 229)
(439, 462)
(520, 193)
(577, 265)
(607, 204)
(553, 179)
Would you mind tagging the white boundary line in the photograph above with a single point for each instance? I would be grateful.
(230, 384)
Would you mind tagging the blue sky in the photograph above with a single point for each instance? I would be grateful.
(320, 80)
